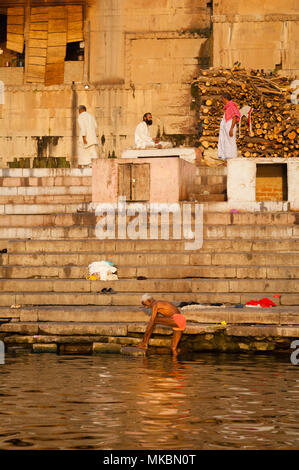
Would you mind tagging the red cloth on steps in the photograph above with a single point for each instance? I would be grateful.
(265, 302)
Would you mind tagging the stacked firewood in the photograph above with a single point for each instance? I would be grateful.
(274, 124)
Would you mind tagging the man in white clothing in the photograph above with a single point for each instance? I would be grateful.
(88, 141)
(143, 138)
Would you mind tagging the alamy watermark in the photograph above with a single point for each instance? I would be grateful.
(143, 221)
(2, 353)
(295, 354)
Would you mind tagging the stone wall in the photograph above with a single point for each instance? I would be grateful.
(139, 56)
(262, 35)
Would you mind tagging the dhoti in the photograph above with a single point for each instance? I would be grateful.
(227, 146)
(86, 154)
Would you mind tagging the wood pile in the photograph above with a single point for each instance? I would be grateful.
(275, 126)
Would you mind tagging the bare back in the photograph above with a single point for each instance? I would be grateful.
(165, 308)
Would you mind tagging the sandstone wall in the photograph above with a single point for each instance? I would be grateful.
(262, 35)
(139, 56)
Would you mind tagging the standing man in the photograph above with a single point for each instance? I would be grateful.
(88, 141)
(227, 145)
(169, 316)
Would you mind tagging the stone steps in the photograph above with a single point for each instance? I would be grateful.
(44, 208)
(249, 232)
(143, 259)
(50, 235)
(11, 192)
(7, 299)
(45, 185)
(67, 332)
(191, 285)
(113, 314)
(154, 272)
(97, 246)
(44, 199)
(44, 172)
(49, 181)
(86, 218)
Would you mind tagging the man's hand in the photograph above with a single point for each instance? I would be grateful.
(231, 132)
(84, 140)
(156, 140)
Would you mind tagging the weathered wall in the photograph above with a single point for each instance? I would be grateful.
(140, 56)
(263, 35)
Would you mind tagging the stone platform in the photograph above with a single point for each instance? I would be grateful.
(185, 153)
(212, 329)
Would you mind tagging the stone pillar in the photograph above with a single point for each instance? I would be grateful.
(241, 180)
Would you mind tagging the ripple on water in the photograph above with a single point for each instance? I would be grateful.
(111, 402)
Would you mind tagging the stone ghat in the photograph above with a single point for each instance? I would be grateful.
(215, 329)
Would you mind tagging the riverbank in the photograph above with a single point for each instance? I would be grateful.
(212, 329)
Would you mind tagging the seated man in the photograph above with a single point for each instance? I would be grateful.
(143, 138)
(170, 317)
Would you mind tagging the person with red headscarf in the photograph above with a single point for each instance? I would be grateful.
(227, 145)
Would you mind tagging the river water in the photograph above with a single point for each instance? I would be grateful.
(205, 401)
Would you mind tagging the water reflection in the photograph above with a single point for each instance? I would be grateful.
(114, 402)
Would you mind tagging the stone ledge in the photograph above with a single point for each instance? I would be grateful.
(254, 18)
(44, 348)
(265, 331)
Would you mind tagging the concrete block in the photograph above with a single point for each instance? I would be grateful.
(44, 348)
(124, 341)
(99, 348)
(83, 329)
(130, 351)
(21, 328)
(160, 342)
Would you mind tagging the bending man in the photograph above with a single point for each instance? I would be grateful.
(163, 313)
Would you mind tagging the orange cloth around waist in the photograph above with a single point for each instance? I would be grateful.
(180, 321)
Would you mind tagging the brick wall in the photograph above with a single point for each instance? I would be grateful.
(271, 182)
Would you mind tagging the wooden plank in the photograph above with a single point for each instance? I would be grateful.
(57, 12)
(75, 13)
(54, 74)
(15, 29)
(124, 180)
(75, 24)
(16, 11)
(140, 181)
(39, 43)
(37, 61)
(38, 34)
(15, 20)
(37, 52)
(56, 54)
(41, 26)
(74, 37)
(41, 18)
(17, 47)
(56, 39)
(33, 79)
(34, 69)
(16, 38)
(38, 10)
(57, 26)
